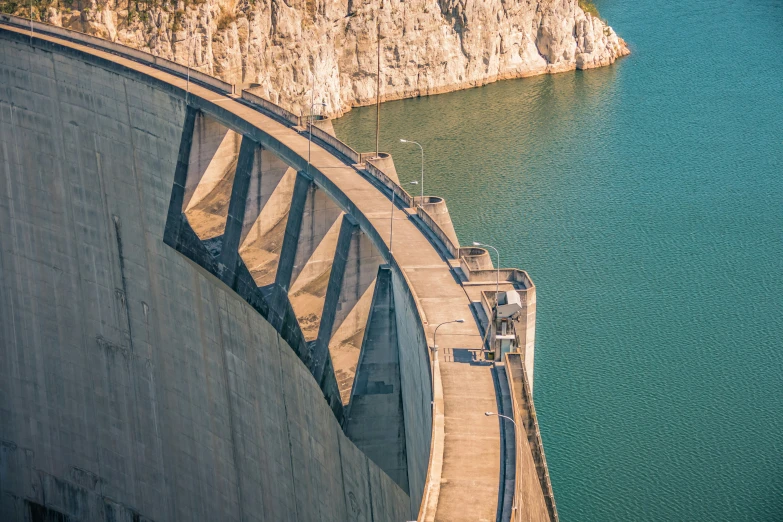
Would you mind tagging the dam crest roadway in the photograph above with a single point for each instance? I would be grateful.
(202, 317)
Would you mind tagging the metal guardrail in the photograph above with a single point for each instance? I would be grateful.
(120, 50)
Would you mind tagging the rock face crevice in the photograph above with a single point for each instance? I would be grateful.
(287, 49)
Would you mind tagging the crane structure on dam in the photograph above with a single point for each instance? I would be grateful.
(201, 317)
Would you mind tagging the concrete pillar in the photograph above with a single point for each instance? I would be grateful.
(229, 252)
(176, 203)
(353, 310)
(268, 172)
(212, 161)
(292, 230)
(374, 419)
(319, 352)
(313, 261)
(263, 240)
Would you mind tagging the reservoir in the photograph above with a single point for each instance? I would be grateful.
(645, 199)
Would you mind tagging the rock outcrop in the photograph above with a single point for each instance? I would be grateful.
(286, 48)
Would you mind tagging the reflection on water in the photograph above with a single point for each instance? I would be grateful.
(646, 201)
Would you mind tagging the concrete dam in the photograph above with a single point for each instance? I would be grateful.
(213, 309)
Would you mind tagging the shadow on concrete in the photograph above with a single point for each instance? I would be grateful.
(464, 355)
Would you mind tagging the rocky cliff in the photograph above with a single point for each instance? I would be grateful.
(287, 48)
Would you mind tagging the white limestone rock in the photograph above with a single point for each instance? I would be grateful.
(285, 47)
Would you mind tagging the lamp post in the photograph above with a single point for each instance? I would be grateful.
(435, 335)
(391, 219)
(310, 128)
(422, 167)
(497, 278)
(190, 39)
(490, 414)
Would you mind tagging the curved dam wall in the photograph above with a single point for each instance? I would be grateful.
(135, 385)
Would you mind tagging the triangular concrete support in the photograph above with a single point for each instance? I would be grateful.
(374, 419)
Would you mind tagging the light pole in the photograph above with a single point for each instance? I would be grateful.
(497, 278)
(391, 219)
(422, 167)
(435, 335)
(310, 128)
(190, 39)
(490, 414)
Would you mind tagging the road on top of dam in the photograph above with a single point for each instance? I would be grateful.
(470, 473)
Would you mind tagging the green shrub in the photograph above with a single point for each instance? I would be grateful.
(225, 19)
(8, 7)
(589, 7)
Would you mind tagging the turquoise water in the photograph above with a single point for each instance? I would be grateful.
(646, 201)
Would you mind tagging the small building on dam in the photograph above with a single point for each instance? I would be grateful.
(213, 309)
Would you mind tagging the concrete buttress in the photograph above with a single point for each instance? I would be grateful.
(374, 419)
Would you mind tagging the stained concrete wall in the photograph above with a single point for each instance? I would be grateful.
(436, 208)
(315, 251)
(416, 382)
(353, 309)
(533, 495)
(132, 383)
(374, 417)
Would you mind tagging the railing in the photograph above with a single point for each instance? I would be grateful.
(121, 50)
(268, 107)
(525, 415)
(399, 192)
(334, 143)
(439, 233)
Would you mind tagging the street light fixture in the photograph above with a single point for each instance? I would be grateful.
(490, 414)
(422, 167)
(190, 38)
(497, 278)
(435, 335)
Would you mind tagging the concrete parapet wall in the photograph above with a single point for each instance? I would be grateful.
(518, 277)
(331, 141)
(453, 249)
(533, 497)
(476, 258)
(383, 162)
(389, 182)
(436, 208)
(135, 385)
(326, 125)
(268, 107)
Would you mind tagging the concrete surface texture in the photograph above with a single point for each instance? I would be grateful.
(533, 497)
(240, 282)
(135, 385)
